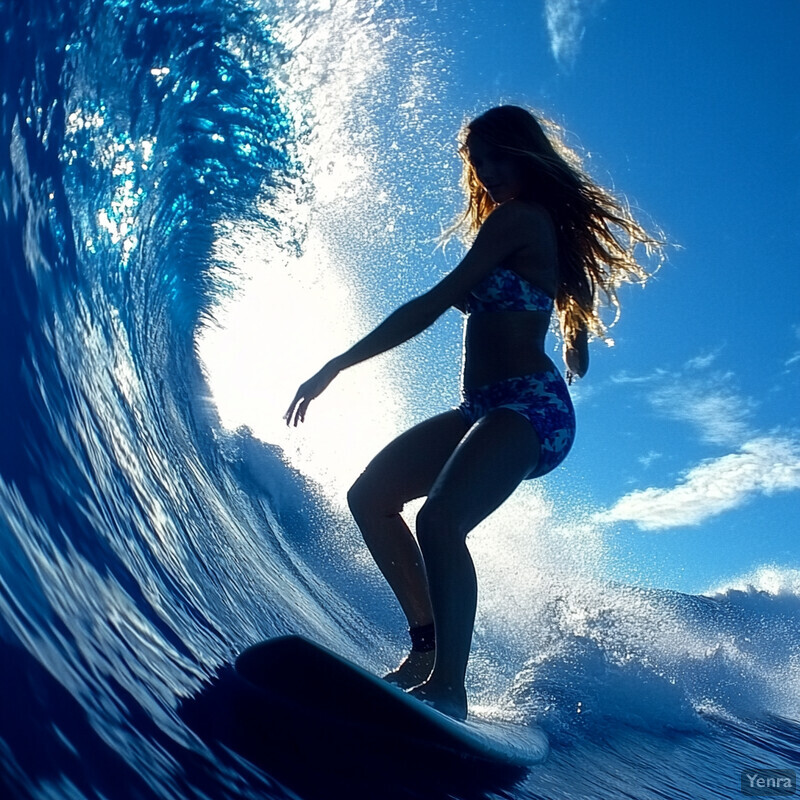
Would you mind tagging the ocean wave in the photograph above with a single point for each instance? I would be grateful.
(143, 545)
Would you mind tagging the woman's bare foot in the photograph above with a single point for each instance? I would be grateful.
(414, 670)
(450, 700)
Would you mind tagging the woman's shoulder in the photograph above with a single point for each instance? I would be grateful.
(521, 218)
(521, 211)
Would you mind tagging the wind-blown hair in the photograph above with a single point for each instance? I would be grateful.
(597, 233)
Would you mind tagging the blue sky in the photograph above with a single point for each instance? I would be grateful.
(691, 423)
(688, 456)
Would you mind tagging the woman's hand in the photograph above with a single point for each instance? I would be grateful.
(577, 358)
(312, 388)
(572, 360)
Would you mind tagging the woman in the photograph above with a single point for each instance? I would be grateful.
(545, 235)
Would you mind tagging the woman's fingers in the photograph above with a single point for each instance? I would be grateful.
(292, 416)
(312, 388)
(288, 415)
(301, 411)
(297, 409)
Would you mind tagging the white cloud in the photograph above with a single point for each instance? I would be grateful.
(565, 25)
(716, 411)
(647, 460)
(795, 357)
(623, 377)
(764, 465)
(701, 362)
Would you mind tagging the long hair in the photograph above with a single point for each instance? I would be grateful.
(597, 233)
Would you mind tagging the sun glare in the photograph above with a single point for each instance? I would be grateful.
(293, 313)
(289, 319)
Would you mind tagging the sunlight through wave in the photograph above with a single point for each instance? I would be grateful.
(287, 322)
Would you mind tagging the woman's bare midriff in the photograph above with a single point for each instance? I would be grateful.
(504, 344)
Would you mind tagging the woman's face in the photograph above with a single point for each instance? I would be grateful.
(500, 173)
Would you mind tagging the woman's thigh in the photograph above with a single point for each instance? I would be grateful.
(497, 454)
(408, 466)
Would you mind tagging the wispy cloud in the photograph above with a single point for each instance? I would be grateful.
(713, 407)
(647, 460)
(795, 357)
(702, 361)
(759, 464)
(624, 377)
(765, 465)
(566, 26)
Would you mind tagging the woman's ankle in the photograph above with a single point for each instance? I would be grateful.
(423, 638)
(415, 669)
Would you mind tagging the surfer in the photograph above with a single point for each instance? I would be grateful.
(544, 236)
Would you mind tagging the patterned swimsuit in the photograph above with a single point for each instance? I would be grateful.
(542, 397)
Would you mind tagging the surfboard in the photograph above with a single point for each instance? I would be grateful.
(319, 695)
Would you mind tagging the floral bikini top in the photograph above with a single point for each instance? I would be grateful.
(504, 290)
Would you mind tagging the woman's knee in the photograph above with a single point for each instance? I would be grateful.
(438, 524)
(368, 497)
(358, 497)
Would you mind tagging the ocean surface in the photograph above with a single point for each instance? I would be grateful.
(143, 544)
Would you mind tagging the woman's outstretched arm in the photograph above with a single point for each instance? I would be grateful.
(401, 325)
(508, 228)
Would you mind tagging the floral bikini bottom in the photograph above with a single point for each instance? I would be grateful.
(543, 399)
